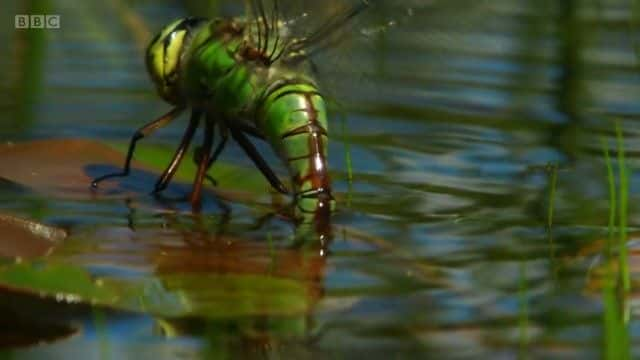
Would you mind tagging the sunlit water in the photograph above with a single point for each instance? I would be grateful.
(450, 120)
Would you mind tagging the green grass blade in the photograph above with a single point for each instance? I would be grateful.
(347, 157)
(611, 181)
(616, 329)
(623, 212)
(102, 333)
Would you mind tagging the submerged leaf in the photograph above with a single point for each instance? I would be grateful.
(25, 238)
(213, 280)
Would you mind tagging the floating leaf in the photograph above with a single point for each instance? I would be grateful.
(56, 167)
(65, 168)
(25, 238)
(218, 279)
(230, 178)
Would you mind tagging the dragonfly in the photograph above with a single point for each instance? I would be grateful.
(247, 77)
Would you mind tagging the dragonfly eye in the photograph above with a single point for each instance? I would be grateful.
(164, 54)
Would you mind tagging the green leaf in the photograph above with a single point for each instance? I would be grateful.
(229, 176)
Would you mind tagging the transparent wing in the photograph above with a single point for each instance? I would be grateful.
(398, 52)
(301, 18)
(392, 51)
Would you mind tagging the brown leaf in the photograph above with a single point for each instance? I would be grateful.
(26, 238)
(56, 167)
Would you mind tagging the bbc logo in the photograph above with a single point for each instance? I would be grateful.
(37, 21)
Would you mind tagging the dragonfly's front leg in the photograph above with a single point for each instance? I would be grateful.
(144, 131)
(168, 173)
(207, 146)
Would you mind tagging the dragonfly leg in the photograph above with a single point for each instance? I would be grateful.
(139, 134)
(218, 150)
(197, 155)
(168, 173)
(207, 145)
(198, 152)
(260, 163)
(249, 129)
(215, 155)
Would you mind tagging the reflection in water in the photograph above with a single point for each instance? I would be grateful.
(241, 296)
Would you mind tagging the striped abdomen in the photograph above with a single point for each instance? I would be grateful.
(293, 117)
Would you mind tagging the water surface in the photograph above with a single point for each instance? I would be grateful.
(445, 133)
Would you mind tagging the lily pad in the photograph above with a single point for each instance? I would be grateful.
(55, 167)
(64, 168)
(230, 178)
(22, 239)
(171, 274)
(25, 238)
(220, 280)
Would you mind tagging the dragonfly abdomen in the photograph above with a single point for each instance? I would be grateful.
(293, 117)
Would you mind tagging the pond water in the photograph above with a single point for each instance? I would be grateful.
(467, 159)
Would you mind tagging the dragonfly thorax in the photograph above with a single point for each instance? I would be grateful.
(223, 71)
(196, 61)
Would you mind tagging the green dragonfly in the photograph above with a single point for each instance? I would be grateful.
(247, 76)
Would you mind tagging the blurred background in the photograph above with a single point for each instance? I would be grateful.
(468, 143)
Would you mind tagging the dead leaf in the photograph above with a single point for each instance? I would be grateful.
(26, 238)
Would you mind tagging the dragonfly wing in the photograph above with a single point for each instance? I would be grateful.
(396, 44)
(387, 43)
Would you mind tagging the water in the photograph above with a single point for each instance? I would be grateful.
(450, 121)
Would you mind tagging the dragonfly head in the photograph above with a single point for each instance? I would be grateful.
(164, 54)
